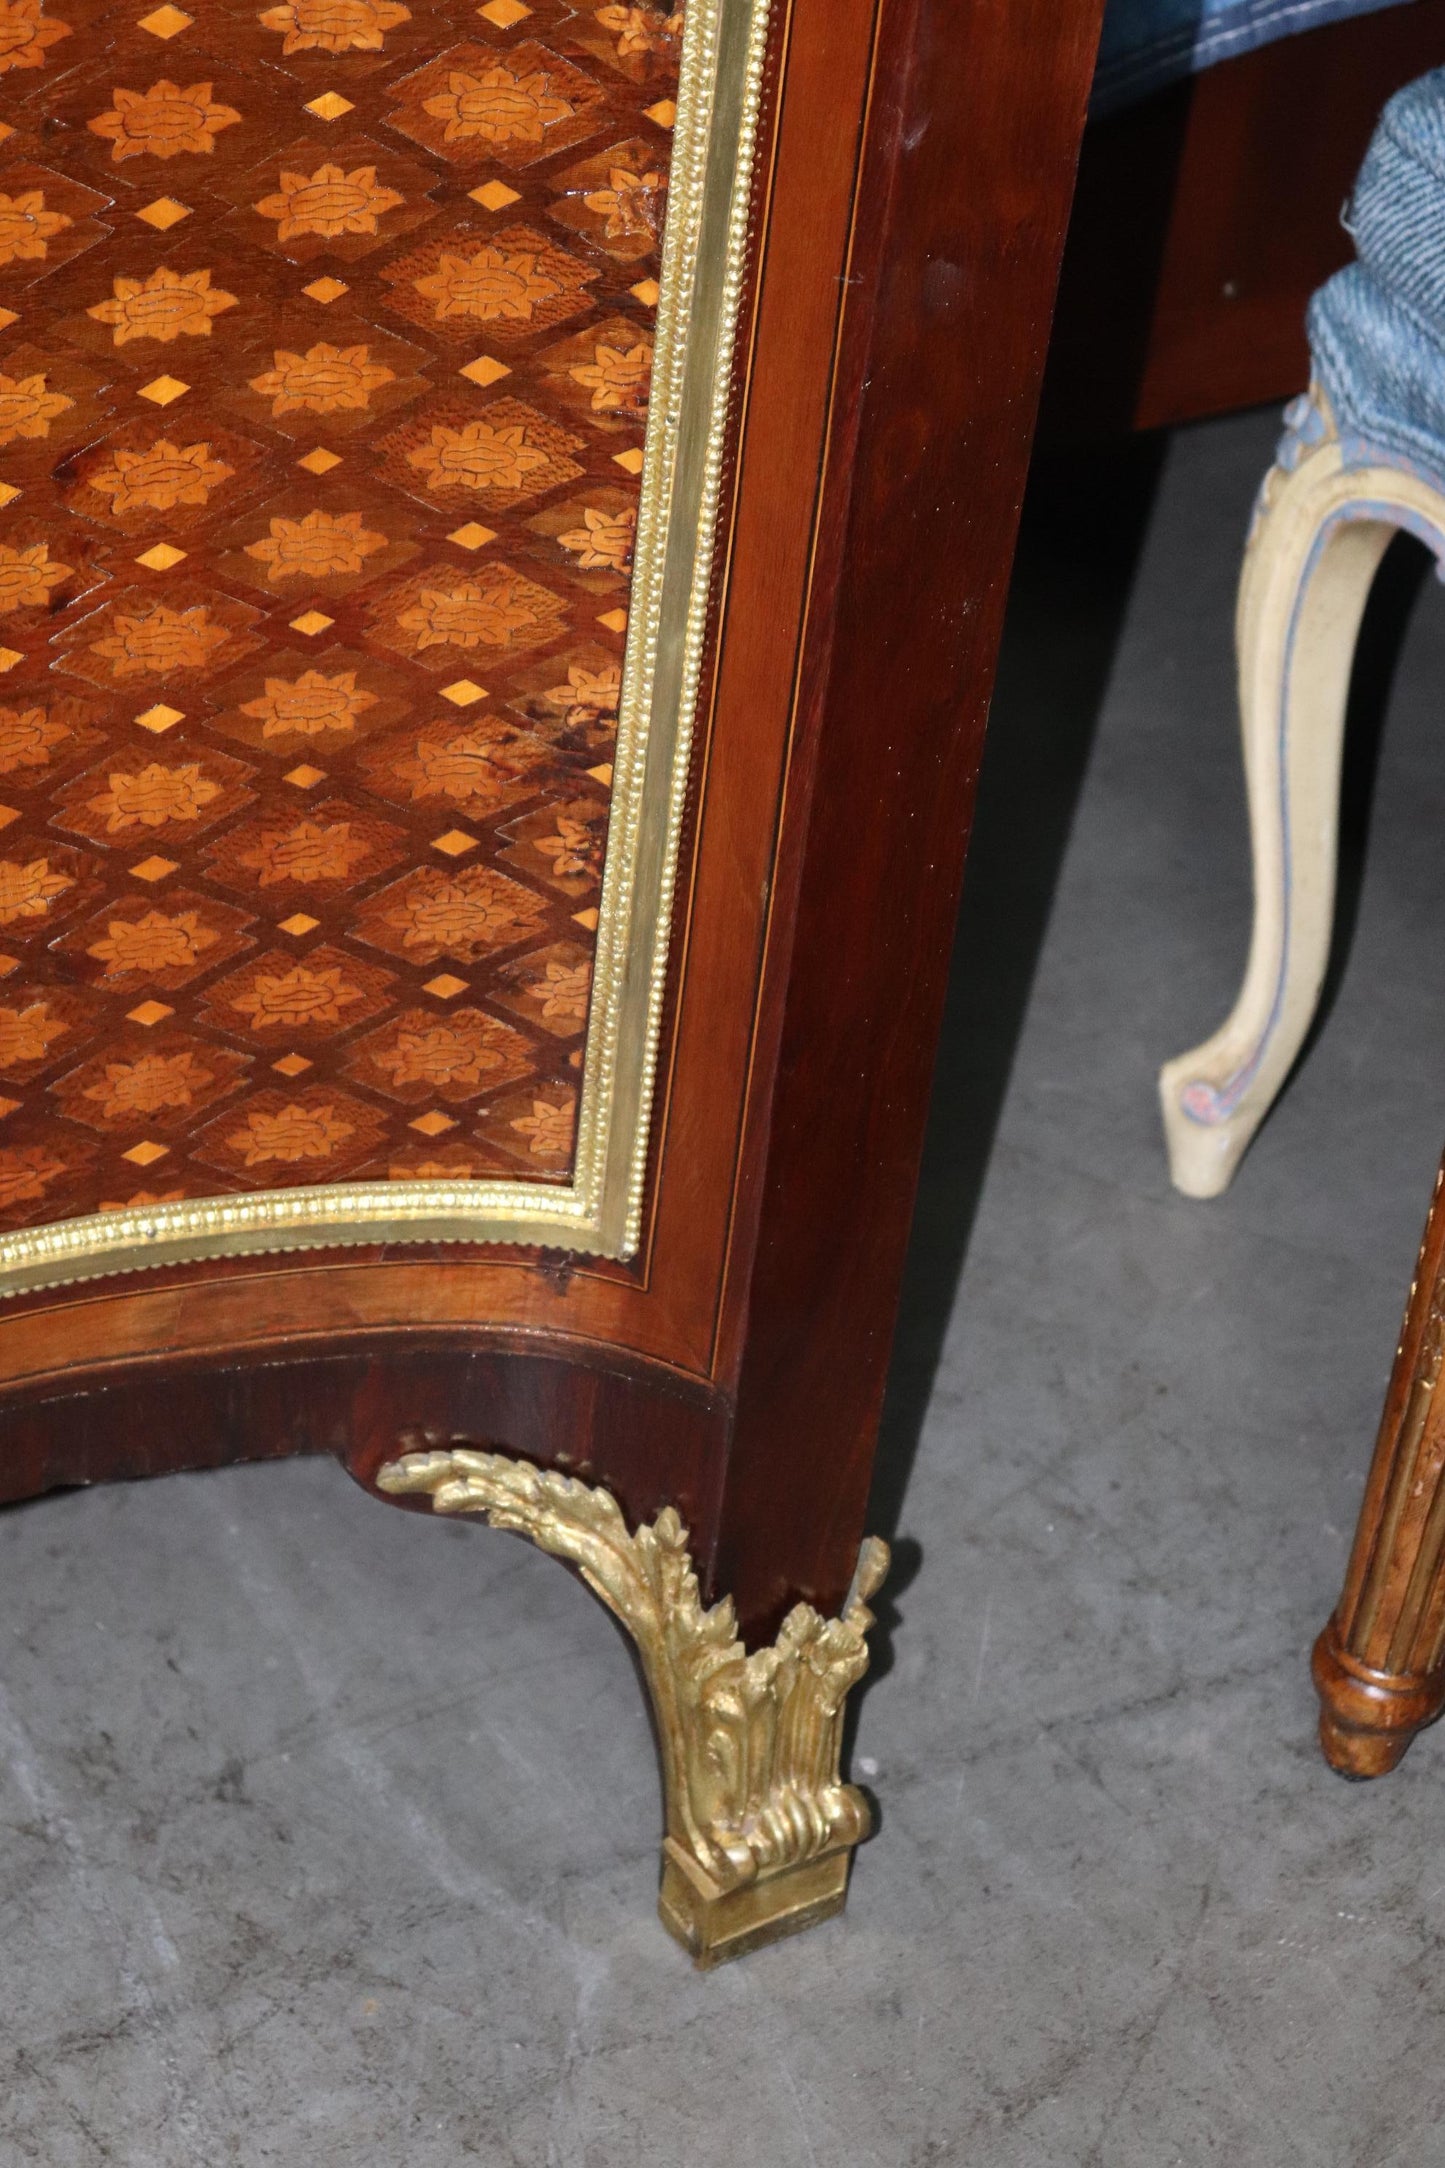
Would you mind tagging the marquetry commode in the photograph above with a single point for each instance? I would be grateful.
(506, 511)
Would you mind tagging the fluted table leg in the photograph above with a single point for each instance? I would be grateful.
(1379, 1665)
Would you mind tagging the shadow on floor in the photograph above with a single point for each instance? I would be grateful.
(1083, 524)
(1397, 588)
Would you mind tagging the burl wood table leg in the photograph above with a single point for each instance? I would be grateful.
(1379, 1665)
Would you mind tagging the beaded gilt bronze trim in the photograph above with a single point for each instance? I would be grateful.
(361, 418)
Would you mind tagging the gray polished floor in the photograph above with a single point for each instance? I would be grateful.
(327, 1835)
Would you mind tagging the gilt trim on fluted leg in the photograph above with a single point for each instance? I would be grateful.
(760, 1827)
(1379, 1665)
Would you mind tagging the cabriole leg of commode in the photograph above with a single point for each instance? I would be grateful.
(760, 1829)
(1321, 528)
(1379, 1665)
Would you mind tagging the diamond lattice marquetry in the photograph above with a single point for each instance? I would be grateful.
(323, 457)
(163, 391)
(164, 213)
(146, 1154)
(434, 1124)
(166, 22)
(486, 369)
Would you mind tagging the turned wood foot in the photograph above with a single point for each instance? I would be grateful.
(1368, 1718)
(1326, 515)
(760, 1827)
(1379, 1665)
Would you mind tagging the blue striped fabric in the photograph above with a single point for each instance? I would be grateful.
(1377, 329)
(1148, 43)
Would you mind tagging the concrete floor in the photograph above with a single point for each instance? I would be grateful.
(328, 1834)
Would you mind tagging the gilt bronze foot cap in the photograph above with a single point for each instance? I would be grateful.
(715, 1924)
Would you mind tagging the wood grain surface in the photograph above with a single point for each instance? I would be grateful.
(323, 381)
(910, 203)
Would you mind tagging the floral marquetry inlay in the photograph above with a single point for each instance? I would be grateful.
(27, 226)
(516, 281)
(154, 641)
(323, 380)
(154, 945)
(27, 408)
(498, 105)
(27, 33)
(27, 577)
(28, 736)
(27, 891)
(164, 121)
(335, 26)
(328, 201)
(499, 608)
(617, 377)
(310, 705)
(161, 478)
(166, 305)
(150, 797)
(316, 547)
(327, 334)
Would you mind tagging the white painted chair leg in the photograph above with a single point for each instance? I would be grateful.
(1323, 524)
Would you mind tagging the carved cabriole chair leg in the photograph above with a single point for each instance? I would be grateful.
(760, 1828)
(1379, 1665)
(1325, 517)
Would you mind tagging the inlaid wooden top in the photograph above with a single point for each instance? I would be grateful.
(324, 367)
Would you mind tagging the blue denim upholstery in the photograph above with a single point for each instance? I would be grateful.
(1377, 329)
(1147, 43)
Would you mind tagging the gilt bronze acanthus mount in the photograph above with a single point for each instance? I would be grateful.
(760, 1826)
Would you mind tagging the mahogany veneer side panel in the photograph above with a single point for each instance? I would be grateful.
(962, 207)
(654, 1438)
